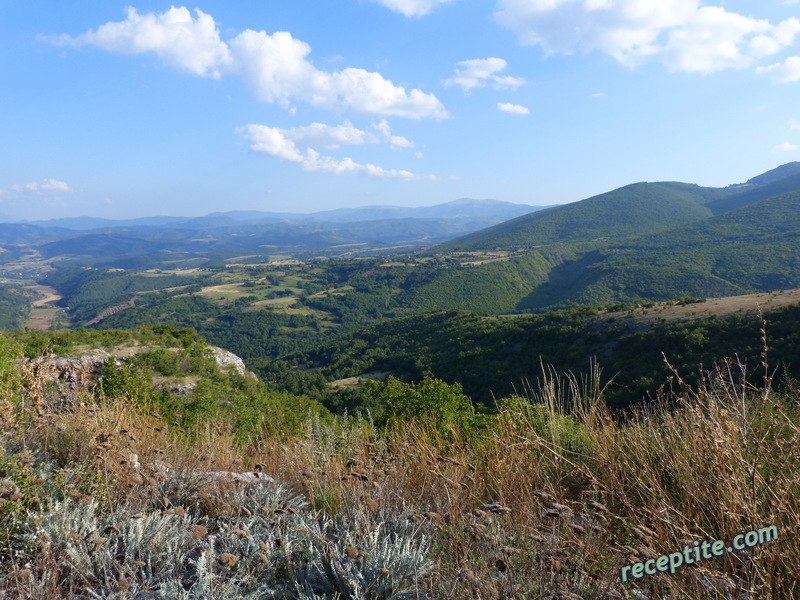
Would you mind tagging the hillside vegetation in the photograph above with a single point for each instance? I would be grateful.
(634, 209)
(493, 358)
(643, 242)
(649, 242)
(106, 495)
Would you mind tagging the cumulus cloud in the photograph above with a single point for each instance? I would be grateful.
(479, 72)
(412, 8)
(283, 144)
(327, 136)
(784, 147)
(680, 34)
(785, 72)
(174, 36)
(346, 134)
(514, 109)
(276, 66)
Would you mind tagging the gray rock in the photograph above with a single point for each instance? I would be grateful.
(226, 359)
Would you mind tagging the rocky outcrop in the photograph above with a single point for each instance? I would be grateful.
(68, 375)
(225, 359)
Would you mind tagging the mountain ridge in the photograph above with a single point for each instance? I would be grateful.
(655, 206)
(361, 213)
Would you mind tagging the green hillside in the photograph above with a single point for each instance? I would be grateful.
(495, 357)
(647, 241)
(751, 195)
(634, 209)
(782, 172)
(490, 288)
(754, 248)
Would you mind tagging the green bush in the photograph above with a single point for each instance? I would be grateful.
(441, 404)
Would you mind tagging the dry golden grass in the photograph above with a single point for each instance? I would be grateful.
(553, 498)
(720, 307)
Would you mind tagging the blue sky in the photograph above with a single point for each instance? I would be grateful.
(124, 110)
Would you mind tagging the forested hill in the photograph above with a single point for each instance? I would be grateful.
(642, 242)
(495, 357)
(752, 195)
(634, 209)
(754, 248)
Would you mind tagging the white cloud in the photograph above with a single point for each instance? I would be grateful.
(335, 136)
(327, 136)
(478, 72)
(45, 193)
(281, 143)
(514, 109)
(785, 72)
(794, 125)
(174, 36)
(412, 8)
(272, 141)
(275, 65)
(784, 147)
(39, 187)
(394, 141)
(680, 34)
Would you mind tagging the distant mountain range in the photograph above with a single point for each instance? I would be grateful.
(494, 210)
(226, 234)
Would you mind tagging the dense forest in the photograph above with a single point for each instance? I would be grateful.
(15, 304)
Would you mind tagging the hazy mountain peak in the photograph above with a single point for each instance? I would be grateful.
(782, 172)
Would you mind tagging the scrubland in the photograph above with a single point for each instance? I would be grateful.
(109, 495)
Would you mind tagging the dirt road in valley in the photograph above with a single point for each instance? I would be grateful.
(44, 309)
